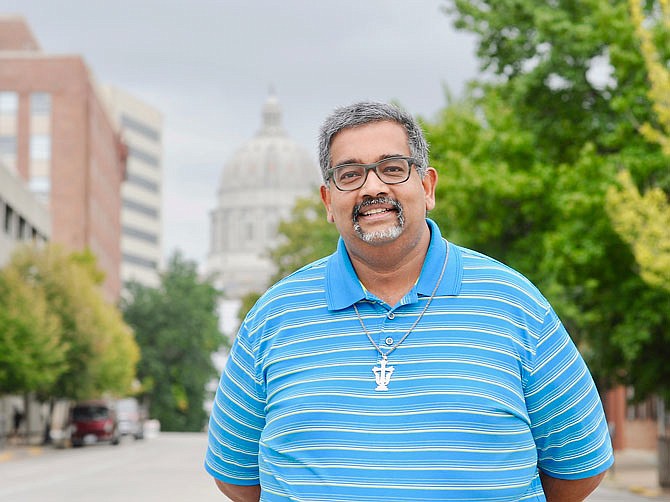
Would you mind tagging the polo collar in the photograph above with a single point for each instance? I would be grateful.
(343, 288)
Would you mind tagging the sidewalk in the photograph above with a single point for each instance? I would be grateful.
(637, 472)
(16, 452)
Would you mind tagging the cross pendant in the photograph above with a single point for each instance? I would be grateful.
(382, 374)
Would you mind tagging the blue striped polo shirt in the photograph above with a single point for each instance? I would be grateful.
(485, 389)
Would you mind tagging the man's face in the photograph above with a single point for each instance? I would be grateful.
(377, 213)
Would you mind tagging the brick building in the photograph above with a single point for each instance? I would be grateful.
(56, 134)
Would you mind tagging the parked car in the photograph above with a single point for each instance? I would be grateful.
(131, 418)
(93, 422)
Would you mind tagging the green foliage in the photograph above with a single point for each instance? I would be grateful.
(652, 40)
(176, 326)
(643, 221)
(526, 168)
(571, 71)
(542, 53)
(92, 351)
(248, 301)
(491, 190)
(305, 237)
(32, 354)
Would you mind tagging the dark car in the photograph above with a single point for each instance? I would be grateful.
(93, 422)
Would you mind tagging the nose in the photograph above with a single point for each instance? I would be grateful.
(373, 184)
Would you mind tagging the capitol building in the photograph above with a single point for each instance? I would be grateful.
(258, 188)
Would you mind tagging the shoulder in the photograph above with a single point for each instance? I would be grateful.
(487, 277)
(301, 289)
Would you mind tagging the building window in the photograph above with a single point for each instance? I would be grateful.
(140, 261)
(40, 104)
(140, 234)
(9, 103)
(141, 181)
(143, 156)
(9, 218)
(141, 208)
(40, 147)
(7, 146)
(143, 129)
(21, 230)
(40, 184)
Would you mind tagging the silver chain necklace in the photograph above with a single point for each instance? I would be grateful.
(383, 372)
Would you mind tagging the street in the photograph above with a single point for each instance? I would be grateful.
(165, 468)
(168, 467)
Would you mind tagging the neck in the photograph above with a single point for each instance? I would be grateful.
(389, 271)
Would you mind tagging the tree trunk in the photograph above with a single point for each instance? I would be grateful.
(663, 446)
(27, 413)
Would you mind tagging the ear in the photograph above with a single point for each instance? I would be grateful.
(429, 183)
(325, 198)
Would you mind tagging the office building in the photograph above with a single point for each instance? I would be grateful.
(141, 217)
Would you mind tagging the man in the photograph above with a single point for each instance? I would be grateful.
(402, 367)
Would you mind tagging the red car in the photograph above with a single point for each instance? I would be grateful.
(94, 422)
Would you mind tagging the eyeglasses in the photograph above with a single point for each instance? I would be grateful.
(391, 171)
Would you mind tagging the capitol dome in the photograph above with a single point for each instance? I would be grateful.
(258, 188)
(269, 160)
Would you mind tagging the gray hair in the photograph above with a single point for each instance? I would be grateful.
(367, 112)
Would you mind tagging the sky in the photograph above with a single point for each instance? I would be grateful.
(208, 67)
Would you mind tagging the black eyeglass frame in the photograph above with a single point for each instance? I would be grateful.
(411, 161)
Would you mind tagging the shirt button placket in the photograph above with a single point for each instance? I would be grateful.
(389, 339)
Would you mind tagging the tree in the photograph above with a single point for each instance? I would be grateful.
(305, 237)
(579, 130)
(491, 189)
(80, 326)
(176, 326)
(570, 71)
(543, 54)
(32, 353)
(657, 71)
(643, 220)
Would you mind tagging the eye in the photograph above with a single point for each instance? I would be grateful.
(394, 168)
(347, 174)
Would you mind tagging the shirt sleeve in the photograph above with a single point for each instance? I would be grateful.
(237, 417)
(567, 418)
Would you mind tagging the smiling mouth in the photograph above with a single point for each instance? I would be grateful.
(372, 207)
(375, 211)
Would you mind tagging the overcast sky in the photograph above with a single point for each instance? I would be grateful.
(208, 65)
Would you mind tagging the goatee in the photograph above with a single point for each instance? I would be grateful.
(386, 235)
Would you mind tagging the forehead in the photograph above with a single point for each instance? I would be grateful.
(369, 142)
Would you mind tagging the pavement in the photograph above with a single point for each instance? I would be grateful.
(12, 452)
(634, 471)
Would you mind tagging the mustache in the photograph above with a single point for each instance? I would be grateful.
(371, 202)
